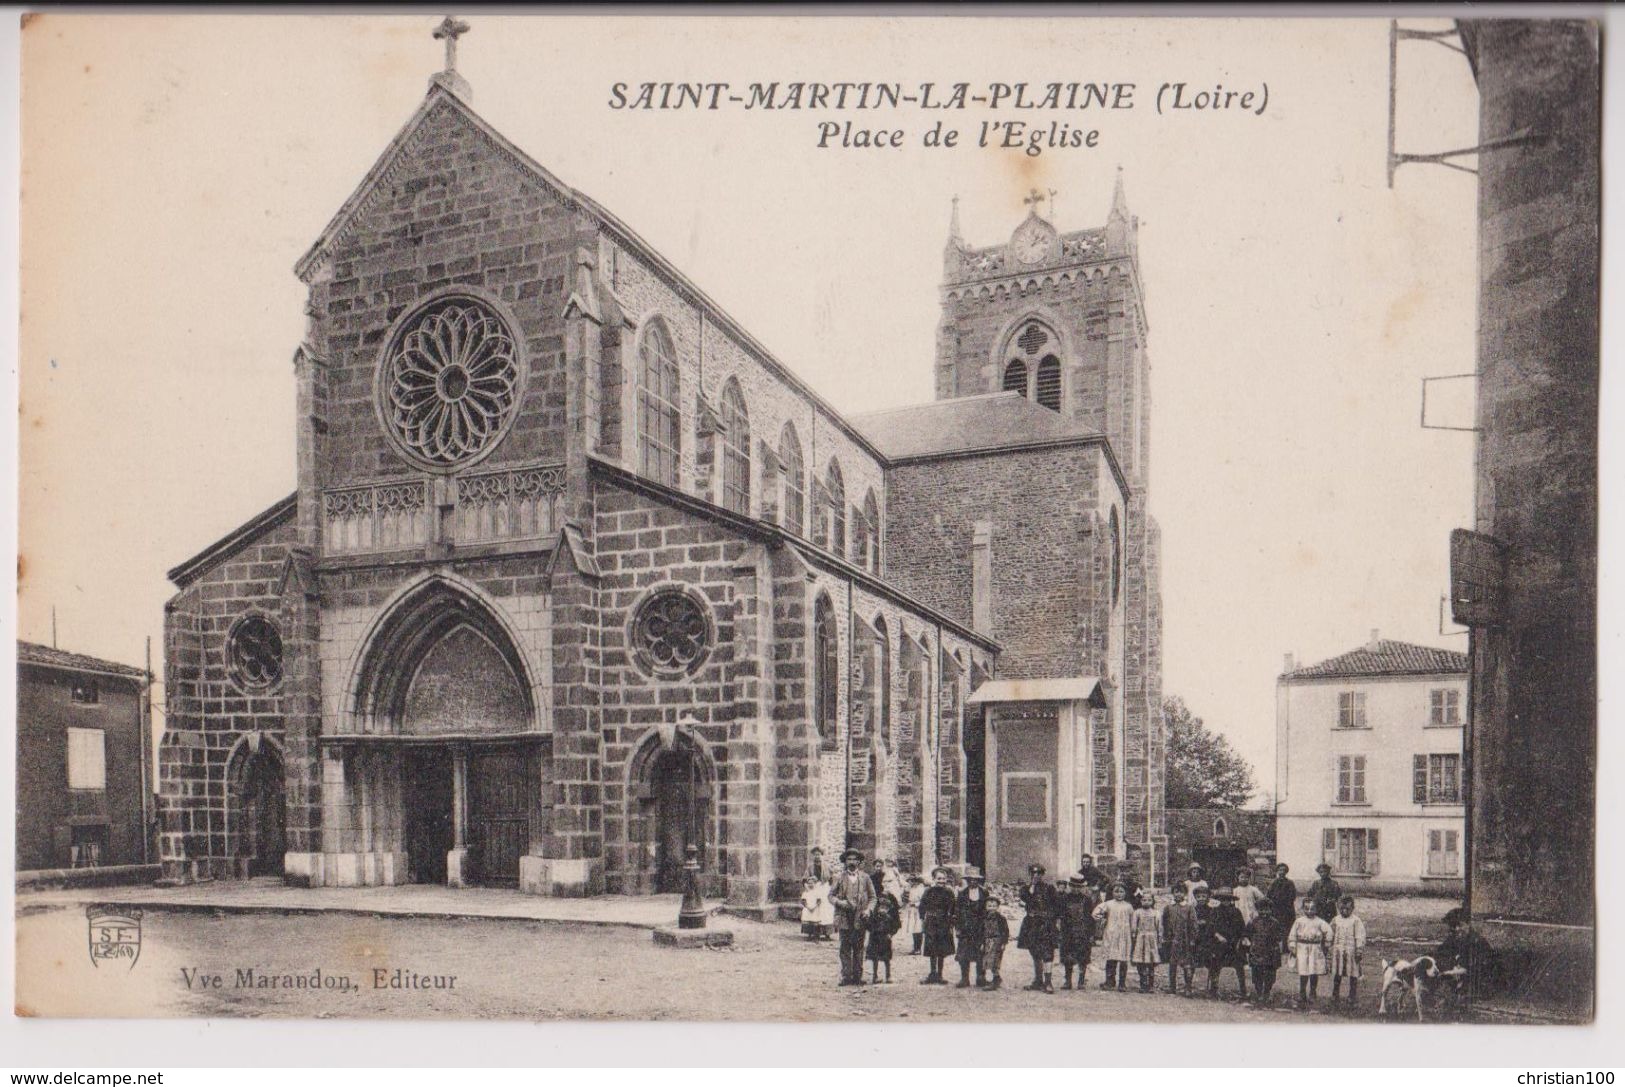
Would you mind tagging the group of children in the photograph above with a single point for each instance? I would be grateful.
(1216, 930)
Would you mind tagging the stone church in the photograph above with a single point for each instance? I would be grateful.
(578, 574)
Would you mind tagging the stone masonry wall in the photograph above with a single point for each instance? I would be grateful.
(455, 211)
(1534, 713)
(1041, 504)
(206, 711)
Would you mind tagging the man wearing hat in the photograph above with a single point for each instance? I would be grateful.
(970, 912)
(1221, 940)
(1077, 928)
(937, 921)
(1038, 929)
(852, 894)
(1096, 880)
(1326, 892)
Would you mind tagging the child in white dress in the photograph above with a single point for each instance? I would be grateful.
(913, 933)
(817, 915)
(1307, 942)
(1348, 945)
(1145, 931)
(1116, 940)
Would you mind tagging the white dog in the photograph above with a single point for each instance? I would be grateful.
(1413, 978)
(1403, 978)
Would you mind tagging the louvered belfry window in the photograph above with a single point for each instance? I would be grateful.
(1033, 368)
(1049, 383)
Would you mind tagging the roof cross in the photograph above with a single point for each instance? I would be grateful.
(1033, 199)
(449, 31)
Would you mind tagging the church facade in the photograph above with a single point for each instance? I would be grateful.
(577, 574)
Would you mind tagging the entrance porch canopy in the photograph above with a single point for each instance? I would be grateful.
(1090, 690)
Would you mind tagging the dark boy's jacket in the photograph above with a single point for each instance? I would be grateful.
(995, 930)
(1179, 933)
(1325, 892)
(969, 916)
(1265, 947)
(1038, 928)
(937, 920)
(1470, 951)
(1283, 896)
(886, 918)
(1077, 921)
(1219, 929)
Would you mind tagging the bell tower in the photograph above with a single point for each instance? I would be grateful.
(1059, 318)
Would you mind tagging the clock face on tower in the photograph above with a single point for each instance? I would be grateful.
(1033, 241)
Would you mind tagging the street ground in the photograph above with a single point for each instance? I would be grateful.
(196, 962)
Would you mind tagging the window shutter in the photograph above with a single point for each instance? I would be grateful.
(1328, 847)
(1419, 779)
(1371, 852)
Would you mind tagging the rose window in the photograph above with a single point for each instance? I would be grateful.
(671, 634)
(254, 651)
(450, 384)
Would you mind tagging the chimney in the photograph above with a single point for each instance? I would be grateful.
(1372, 644)
(1289, 663)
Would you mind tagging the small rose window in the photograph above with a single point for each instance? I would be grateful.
(254, 651)
(450, 382)
(671, 634)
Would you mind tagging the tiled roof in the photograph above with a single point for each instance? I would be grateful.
(1385, 658)
(30, 653)
(995, 421)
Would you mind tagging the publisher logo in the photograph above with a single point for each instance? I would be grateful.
(115, 935)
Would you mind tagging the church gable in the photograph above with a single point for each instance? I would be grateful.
(449, 211)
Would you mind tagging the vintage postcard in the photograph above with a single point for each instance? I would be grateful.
(814, 518)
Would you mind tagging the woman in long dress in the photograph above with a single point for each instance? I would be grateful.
(1117, 937)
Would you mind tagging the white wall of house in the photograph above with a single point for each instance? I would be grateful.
(1368, 779)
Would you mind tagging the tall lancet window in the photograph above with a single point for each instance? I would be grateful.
(735, 449)
(795, 494)
(826, 672)
(871, 533)
(835, 512)
(659, 420)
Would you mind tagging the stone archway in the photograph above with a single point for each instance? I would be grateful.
(258, 783)
(671, 805)
(447, 775)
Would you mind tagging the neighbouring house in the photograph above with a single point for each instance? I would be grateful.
(1222, 841)
(84, 774)
(1368, 766)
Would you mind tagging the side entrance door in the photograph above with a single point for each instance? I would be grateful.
(501, 792)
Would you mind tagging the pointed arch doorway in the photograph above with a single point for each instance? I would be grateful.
(259, 783)
(672, 809)
(450, 773)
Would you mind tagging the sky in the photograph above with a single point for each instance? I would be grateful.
(176, 167)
